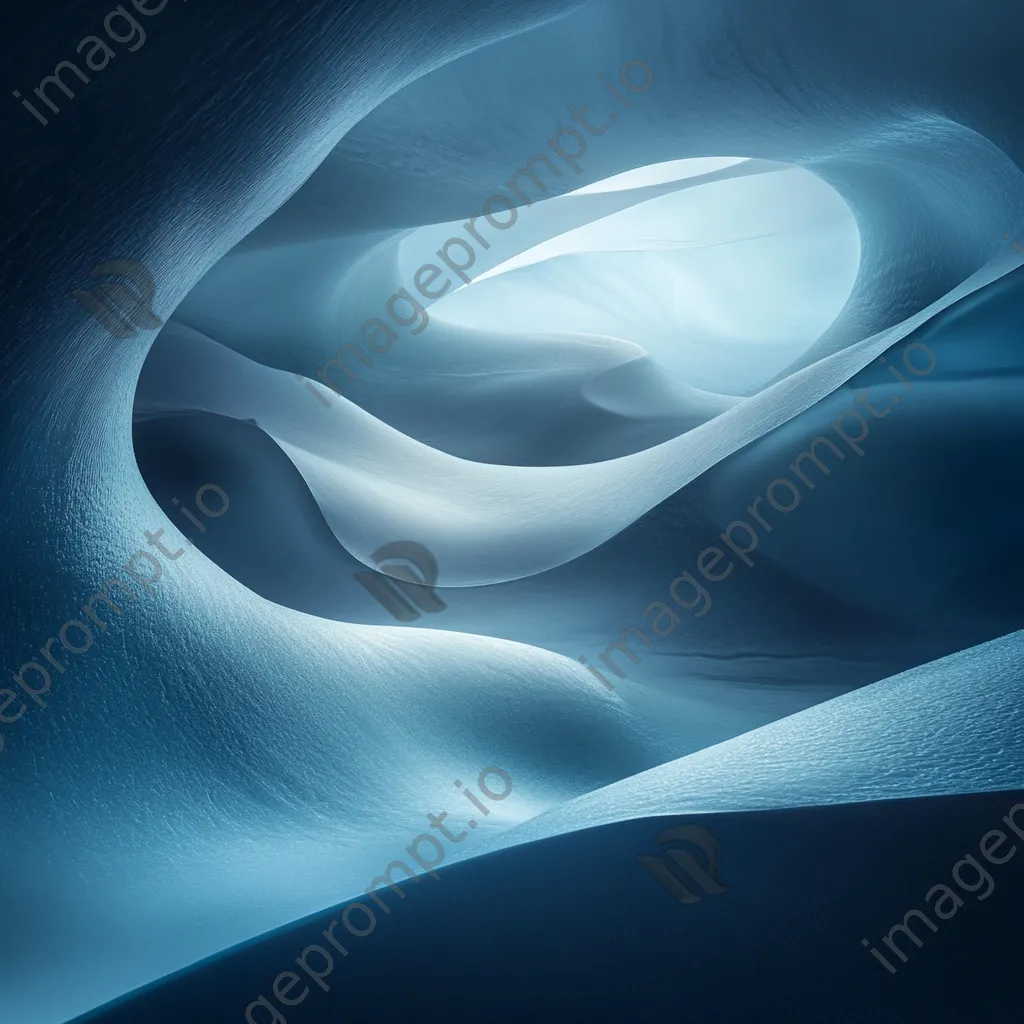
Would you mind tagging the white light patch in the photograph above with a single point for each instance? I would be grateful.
(660, 174)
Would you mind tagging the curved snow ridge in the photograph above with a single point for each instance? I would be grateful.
(965, 712)
(484, 523)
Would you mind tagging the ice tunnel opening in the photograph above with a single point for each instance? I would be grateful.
(723, 270)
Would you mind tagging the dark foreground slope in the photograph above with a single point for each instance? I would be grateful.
(574, 929)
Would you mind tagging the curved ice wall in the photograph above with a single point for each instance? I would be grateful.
(250, 733)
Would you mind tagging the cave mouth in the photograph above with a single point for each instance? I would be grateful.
(723, 270)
